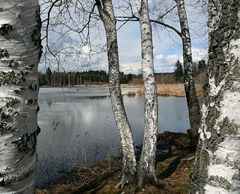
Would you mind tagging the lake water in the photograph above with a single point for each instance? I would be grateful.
(78, 128)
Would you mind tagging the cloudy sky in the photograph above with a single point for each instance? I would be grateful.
(79, 56)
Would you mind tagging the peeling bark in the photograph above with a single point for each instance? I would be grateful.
(189, 84)
(20, 52)
(106, 12)
(146, 170)
(216, 168)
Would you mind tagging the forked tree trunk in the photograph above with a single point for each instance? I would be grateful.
(146, 170)
(106, 12)
(217, 167)
(20, 47)
(189, 84)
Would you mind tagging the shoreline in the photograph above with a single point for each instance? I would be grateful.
(102, 178)
(176, 90)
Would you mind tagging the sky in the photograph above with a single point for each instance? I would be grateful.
(81, 55)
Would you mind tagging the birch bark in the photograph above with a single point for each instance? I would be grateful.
(20, 51)
(106, 12)
(216, 168)
(146, 170)
(189, 84)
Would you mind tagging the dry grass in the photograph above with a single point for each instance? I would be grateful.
(173, 168)
(173, 90)
(80, 178)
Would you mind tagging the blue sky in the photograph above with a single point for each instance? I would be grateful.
(167, 45)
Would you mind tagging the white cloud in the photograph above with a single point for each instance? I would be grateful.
(199, 54)
(85, 53)
(166, 63)
(134, 68)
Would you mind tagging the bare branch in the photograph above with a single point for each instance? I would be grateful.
(126, 19)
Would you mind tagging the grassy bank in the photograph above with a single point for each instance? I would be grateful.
(162, 89)
(175, 90)
(173, 166)
(168, 89)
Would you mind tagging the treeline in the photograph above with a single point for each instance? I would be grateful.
(199, 68)
(55, 79)
(199, 73)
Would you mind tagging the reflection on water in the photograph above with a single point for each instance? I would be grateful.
(78, 128)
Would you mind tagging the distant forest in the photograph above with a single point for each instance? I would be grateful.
(78, 78)
(57, 79)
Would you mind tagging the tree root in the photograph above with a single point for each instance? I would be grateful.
(121, 184)
(125, 181)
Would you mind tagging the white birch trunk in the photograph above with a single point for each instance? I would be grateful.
(106, 12)
(19, 56)
(189, 85)
(217, 167)
(146, 171)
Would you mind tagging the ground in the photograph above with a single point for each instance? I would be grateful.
(174, 164)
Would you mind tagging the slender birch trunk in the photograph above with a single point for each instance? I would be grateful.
(146, 168)
(106, 12)
(20, 47)
(217, 167)
(189, 85)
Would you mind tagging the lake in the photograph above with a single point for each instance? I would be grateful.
(78, 128)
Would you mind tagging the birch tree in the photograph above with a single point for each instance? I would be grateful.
(146, 170)
(216, 168)
(19, 56)
(106, 12)
(189, 84)
(83, 27)
(184, 34)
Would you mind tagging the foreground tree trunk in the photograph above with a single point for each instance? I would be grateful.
(189, 85)
(106, 12)
(146, 170)
(216, 168)
(19, 56)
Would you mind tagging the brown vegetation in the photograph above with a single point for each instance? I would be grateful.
(173, 167)
(173, 90)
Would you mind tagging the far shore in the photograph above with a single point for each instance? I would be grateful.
(162, 89)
